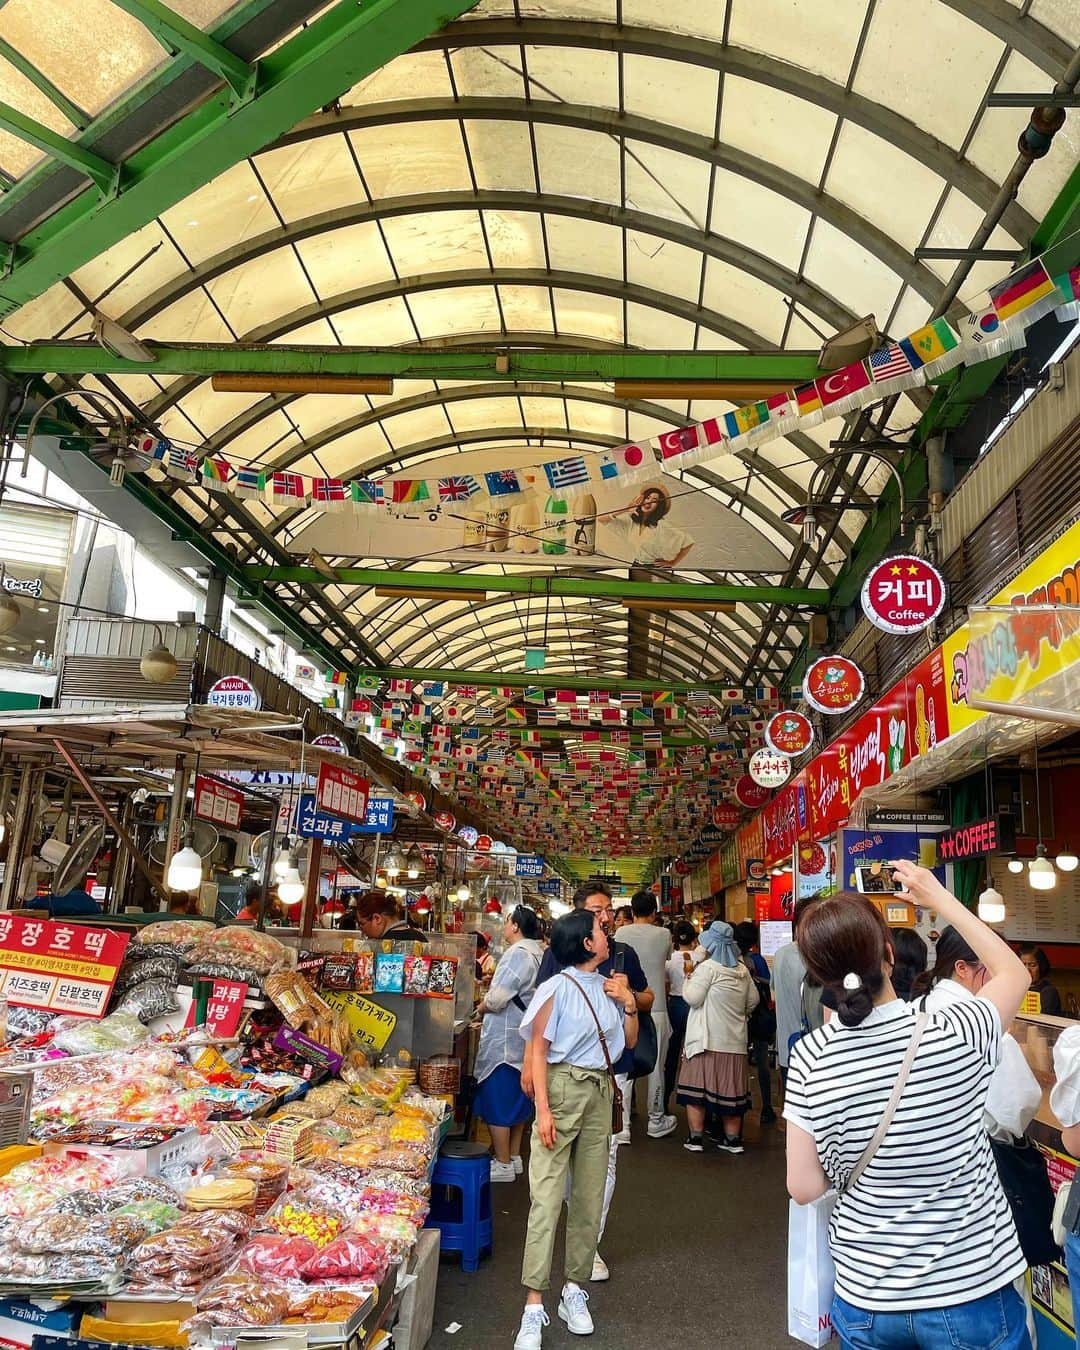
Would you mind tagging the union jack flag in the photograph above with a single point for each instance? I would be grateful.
(458, 489)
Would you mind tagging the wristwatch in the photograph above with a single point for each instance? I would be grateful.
(630, 1012)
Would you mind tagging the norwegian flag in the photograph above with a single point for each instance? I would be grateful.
(458, 488)
(579, 717)
(329, 494)
(599, 697)
(620, 737)
(287, 487)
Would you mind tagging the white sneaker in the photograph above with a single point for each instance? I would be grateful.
(599, 1269)
(623, 1137)
(574, 1310)
(501, 1171)
(517, 1164)
(533, 1321)
(661, 1126)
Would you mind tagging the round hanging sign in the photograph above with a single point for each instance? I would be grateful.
(682, 869)
(334, 744)
(417, 799)
(789, 733)
(903, 594)
(445, 820)
(468, 835)
(483, 843)
(833, 684)
(768, 769)
(725, 816)
(235, 693)
(749, 793)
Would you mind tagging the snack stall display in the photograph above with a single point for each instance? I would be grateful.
(256, 1166)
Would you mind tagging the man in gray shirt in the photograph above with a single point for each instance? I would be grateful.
(788, 975)
(653, 947)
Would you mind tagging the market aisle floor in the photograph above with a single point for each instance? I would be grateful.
(696, 1244)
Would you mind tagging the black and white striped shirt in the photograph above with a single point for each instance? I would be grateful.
(927, 1225)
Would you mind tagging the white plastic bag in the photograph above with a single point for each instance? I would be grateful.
(811, 1274)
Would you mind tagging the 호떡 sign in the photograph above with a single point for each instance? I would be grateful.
(58, 967)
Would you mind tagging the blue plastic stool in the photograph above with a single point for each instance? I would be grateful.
(461, 1201)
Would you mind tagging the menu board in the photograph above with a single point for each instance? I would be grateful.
(57, 966)
(1040, 916)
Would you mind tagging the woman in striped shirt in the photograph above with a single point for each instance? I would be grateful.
(924, 1244)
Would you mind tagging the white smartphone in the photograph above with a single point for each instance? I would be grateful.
(877, 879)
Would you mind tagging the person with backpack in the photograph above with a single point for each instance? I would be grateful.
(762, 1025)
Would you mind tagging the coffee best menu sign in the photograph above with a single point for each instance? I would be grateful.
(58, 967)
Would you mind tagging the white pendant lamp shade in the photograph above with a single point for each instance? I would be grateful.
(185, 870)
(291, 887)
(991, 906)
(1016, 865)
(1066, 860)
(414, 863)
(393, 863)
(463, 892)
(158, 665)
(1041, 873)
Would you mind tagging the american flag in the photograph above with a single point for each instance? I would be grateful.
(458, 489)
(889, 363)
(563, 473)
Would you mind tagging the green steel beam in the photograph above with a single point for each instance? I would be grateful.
(601, 588)
(105, 176)
(74, 114)
(175, 32)
(205, 359)
(487, 679)
(310, 70)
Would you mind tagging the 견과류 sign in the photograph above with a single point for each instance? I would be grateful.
(341, 792)
(58, 967)
(217, 803)
(311, 823)
(224, 1008)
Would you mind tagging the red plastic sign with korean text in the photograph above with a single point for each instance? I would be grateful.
(903, 594)
(217, 803)
(60, 967)
(749, 793)
(789, 733)
(833, 685)
(340, 792)
(223, 1010)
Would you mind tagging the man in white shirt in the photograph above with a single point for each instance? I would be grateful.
(653, 947)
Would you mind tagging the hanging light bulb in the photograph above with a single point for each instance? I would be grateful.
(463, 892)
(291, 887)
(1016, 865)
(284, 861)
(393, 863)
(991, 906)
(185, 869)
(1041, 872)
(1066, 860)
(414, 863)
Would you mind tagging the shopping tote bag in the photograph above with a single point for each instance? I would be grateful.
(810, 1271)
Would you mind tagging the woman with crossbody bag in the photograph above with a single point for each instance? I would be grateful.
(577, 1026)
(923, 1241)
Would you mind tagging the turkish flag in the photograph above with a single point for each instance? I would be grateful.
(841, 384)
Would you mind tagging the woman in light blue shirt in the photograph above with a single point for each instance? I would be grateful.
(499, 1098)
(573, 1089)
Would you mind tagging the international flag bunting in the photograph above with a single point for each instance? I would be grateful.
(1028, 292)
(530, 737)
(155, 448)
(563, 474)
(398, 689)
(890, 370)
(466, 692)
(338, 677)
(361, 706)
(743, 420)
(534, 694)
(673, 712)
(681, 441)
(661, 696)
(515, 716)
(506, 692)
(366, 492)
(216, 473)
(502, 482)
(641, 717)
(842, 390)
(565, 696)
(329, 494)
(652, 739)
(984, 336)
(630, 698)
(367, 682)
(933, 349)
(599, 698)
(287, 487)
(433, 688)
(579, 717)
(329, 701)
(181, 464)
(697, 697)
(1067, 307)
(457, 489)
(482, 713)
(808, 402)
(404, 491)
(627, 463)
(547, 717)
(783, 413)
(611, 715)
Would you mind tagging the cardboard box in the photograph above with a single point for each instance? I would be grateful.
(21, 1321)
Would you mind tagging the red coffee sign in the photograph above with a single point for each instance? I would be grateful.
(57, 966)
(789, 733)
(968, 841)
(833, 684)
(726, 817)
(340, 792)
(903, 594)
(749, 793)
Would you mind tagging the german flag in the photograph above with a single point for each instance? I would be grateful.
(1022, 290)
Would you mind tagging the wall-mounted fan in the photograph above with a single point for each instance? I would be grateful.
(68, 863)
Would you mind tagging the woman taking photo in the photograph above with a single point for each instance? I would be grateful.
(713, 1075)
(923, 1243)
(578, 1022)
(499, 1098)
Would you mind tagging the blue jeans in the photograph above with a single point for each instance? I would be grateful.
(995, 1322)
(1072, 1265)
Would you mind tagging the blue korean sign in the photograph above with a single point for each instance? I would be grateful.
(549, 886)
(315, 824)
(529, 865)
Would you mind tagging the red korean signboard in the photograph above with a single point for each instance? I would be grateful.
(785, 821)
(927, 704)
(903, 594)
(833, 685)
(218, 803)
(58, 967)
(789, 733)
(224, 1009)
(341, 792)
(725, 816)
(749, 793)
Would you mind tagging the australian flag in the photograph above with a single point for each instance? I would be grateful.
(502, 482)
(458, 489)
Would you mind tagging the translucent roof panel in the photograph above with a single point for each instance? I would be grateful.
(550, 174)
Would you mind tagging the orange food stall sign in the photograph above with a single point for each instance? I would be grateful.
(57, 966)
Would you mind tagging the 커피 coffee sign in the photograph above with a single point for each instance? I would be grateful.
(977, 839)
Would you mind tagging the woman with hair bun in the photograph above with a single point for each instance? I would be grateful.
(923, 1242)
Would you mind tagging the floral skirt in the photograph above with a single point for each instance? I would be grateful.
(716, 1081)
